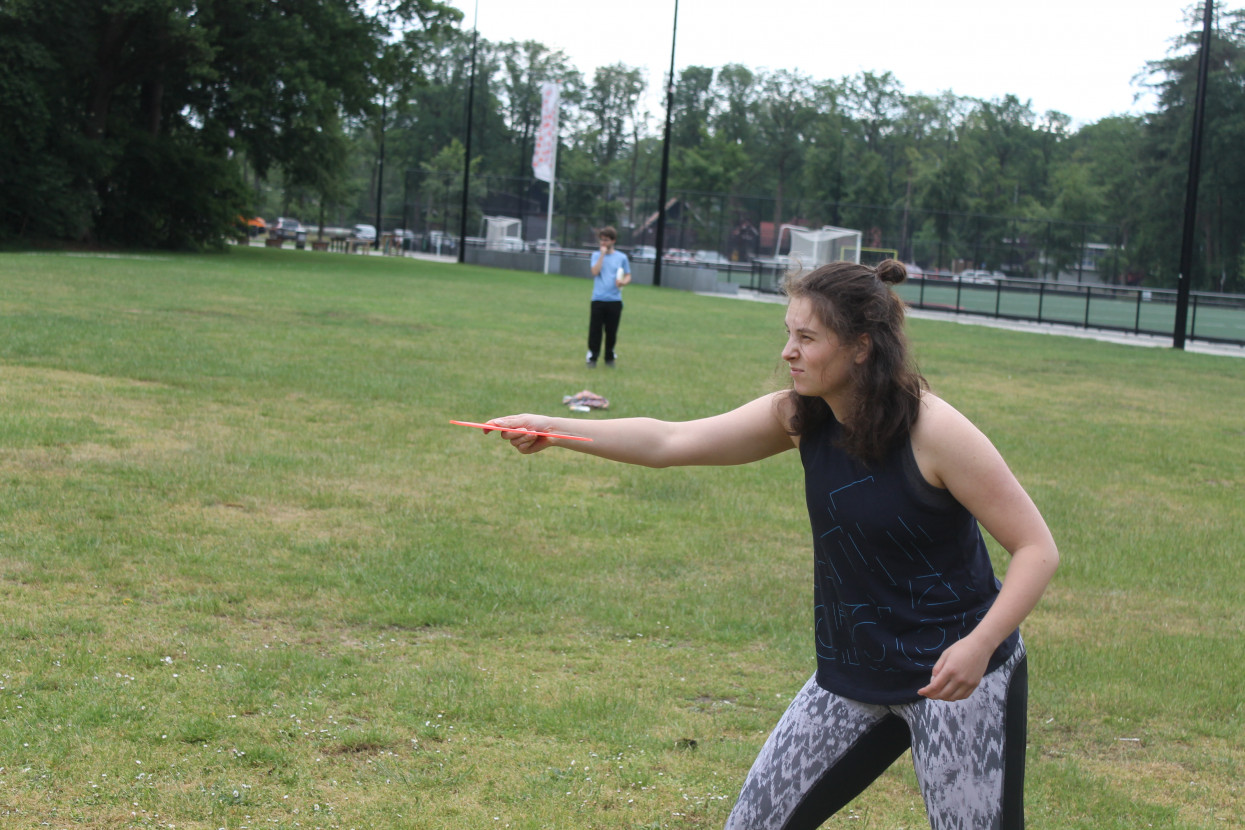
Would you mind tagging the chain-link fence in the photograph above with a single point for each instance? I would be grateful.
(738, 228)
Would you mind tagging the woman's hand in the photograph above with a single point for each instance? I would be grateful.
(522, 441)
(958, 671)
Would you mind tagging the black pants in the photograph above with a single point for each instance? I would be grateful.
(604, 318)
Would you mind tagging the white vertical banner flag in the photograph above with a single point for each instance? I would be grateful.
(545, 155)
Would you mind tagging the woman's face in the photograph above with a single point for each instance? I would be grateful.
(820, 363)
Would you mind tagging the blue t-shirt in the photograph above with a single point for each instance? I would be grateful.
(603, 286)
(902, 571)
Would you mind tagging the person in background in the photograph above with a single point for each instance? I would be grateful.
(611, 270)
(917, 642)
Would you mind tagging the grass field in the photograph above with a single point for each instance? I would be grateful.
(250, 577)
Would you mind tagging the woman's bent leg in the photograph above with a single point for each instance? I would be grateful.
(825, 750)
(970, 754)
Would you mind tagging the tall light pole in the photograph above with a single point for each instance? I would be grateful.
(665, 155)
(1190, 198)
(471, 94)
(380, 173)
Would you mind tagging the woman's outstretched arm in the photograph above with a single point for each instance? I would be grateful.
(754, 431)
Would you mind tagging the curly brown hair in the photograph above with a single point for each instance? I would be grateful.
(853, 300)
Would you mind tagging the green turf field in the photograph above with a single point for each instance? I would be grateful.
(251, 577)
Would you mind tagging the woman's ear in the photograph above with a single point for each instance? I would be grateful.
(863, 346)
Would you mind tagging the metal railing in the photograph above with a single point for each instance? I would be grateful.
(1215, 318)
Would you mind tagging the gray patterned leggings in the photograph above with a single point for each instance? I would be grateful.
(969, 756)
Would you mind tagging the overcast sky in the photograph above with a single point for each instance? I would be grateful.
(1075, 56)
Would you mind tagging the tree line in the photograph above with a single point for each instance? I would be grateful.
(158, 122)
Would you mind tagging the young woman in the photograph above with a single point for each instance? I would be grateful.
(917, 642)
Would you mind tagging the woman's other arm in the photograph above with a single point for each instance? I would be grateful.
(954, 454)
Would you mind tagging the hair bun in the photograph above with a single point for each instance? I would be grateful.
(891, 271)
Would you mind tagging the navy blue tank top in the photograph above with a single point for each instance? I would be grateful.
(901, 571)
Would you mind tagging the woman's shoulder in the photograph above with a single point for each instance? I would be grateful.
(782, 405)
(940, 422)
(936, 414)
(943, 436)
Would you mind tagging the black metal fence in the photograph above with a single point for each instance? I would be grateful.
(1216, 318)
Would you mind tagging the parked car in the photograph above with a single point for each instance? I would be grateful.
(677, 256)
(440, 242)
(644, 253)
(979, 277)
(710, 258)
(286, 228)
(542, 244)
(365, 232)
(505, 243)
